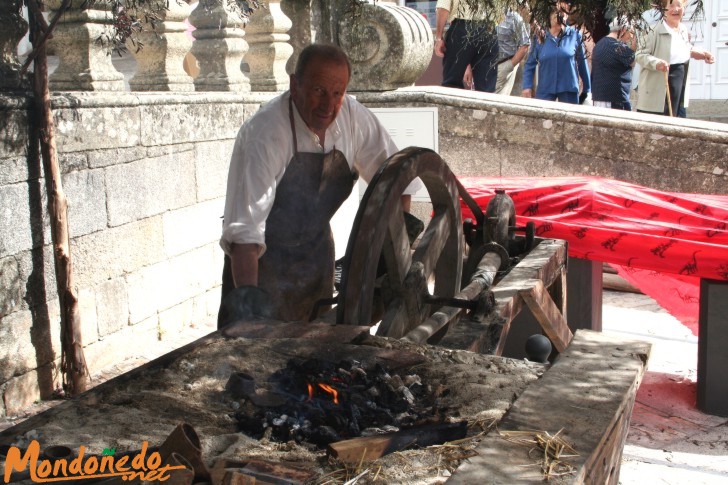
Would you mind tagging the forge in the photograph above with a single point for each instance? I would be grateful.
(402, 381)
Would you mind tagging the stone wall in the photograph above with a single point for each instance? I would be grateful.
(145, 177)
(490, 135)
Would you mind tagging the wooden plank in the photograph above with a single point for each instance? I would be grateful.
(369, 448)
(548, 315)
(588, 393)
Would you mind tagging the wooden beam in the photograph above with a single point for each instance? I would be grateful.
(547, 313)
(370, 448)
(588, 393)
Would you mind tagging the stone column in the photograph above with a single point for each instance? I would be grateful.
(299, 11)
(14, 28)
(84, 63)
(267, 35)
(219, 47)
(164, 46)
(389, 46)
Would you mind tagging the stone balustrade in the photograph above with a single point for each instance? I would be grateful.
(390, 46)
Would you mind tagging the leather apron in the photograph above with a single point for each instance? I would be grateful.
(297, 268)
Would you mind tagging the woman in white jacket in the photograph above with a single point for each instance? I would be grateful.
(664, 56)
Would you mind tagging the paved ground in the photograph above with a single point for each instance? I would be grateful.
(669, 442)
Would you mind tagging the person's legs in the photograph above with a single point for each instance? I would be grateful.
(458, 54)
(506, 77)
(568, 97)
(485, 72)
(546, 96)
(675, 84)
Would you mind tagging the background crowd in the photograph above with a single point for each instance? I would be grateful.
(558, 62)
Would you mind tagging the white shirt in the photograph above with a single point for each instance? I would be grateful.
(264, 147)
(679, 44)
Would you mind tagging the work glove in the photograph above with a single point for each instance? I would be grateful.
(245, 303)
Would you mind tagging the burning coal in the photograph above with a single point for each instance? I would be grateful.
(321, 402)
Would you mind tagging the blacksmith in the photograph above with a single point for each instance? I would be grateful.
(293, 164)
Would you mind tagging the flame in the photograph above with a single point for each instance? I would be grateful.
(331, 391)
(310, 392)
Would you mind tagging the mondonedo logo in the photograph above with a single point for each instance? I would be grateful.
(127, 467)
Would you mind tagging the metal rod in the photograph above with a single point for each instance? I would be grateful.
(481, 280)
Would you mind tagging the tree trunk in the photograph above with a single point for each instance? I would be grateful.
(73, 362)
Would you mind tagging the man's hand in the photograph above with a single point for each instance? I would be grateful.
(440, 48)
(245, 303)
(663, 66)
(244, 264)
(468, 77)
(527, 93)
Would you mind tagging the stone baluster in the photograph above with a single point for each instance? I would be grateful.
(13, 30)
(267, 35)
(299, 11)
(160, 61)
(84, 63)
(219, 47)
(389, 46)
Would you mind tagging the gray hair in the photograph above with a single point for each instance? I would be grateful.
(619, 23)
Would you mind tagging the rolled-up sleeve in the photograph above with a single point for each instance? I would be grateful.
(256, 166)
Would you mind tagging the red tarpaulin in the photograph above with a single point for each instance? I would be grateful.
(664, 241)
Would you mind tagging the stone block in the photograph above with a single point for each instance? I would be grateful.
(459, 152)
(89, 319)
(13, 170)
(167, 124)
(170, 150)
(112, 306)
(212, 161)
(17, 337)
(526, 132)
(72, 162)
(86, 201)
(14, 135)
(148, 290)
(12, 284)
(115, 156)
(15, 220)
(148, 187)
(21, 392)
(120, 250)
(37, 268)
(96, 127)
(192, 227)
(174, 320)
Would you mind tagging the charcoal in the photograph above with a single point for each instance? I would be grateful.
(320, 402)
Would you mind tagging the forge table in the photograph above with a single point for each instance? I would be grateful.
(588, 394)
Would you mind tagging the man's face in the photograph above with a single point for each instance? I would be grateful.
(320, 92)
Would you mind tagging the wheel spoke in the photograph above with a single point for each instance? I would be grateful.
(433, 241)
(396, 251)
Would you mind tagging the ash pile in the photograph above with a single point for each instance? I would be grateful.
(320, 402)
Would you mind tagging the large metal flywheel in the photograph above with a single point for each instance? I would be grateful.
(382, 275)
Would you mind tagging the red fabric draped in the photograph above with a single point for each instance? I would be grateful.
(684, 235)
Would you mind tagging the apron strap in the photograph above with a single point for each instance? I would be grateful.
(293, 126)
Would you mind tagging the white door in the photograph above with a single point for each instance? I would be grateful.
(719, 26)
(710, 33)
